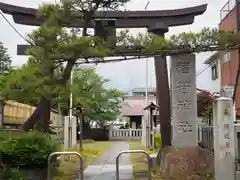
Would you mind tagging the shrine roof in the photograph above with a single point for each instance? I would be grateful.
(134, 105)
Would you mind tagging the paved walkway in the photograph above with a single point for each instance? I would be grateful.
(104, 168)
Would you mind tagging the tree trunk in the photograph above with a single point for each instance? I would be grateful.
(44, 119)
(41, 112)
(163, 99)
(2, 104)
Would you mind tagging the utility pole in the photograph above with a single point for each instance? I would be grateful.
(146, 62)
(70, 109)
(148, 122)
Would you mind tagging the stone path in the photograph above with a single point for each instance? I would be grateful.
(104, 168)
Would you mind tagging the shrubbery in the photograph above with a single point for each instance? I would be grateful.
(26, 153)
(157, 141)
(28, 150)
(11, 174)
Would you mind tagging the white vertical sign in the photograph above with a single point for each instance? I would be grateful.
(224, 150)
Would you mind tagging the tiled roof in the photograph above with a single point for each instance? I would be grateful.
(134, 105)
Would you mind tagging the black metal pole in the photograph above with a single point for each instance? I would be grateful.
(151, 127)
(81, 131)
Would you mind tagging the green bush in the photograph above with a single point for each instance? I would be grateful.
(6, 134)
(157, 140)
(28, 150)
(11, 174)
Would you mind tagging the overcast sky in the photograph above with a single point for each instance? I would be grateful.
(131, 74)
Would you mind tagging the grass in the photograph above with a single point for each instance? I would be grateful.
(91, 151)
(139, 162)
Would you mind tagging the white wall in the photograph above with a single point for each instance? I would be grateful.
(207, 83)
(216, 84)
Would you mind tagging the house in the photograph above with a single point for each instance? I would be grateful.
(142, 92)
(229, 59)
(134, 103)
(214, 70)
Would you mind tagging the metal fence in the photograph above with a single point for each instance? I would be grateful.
(205, 137)
(230, 4)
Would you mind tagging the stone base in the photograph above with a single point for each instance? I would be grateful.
(186, 163)
(153, 158)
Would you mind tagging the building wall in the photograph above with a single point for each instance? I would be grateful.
(216, 83)
(229, 69)
(212, 84)
(229, 22)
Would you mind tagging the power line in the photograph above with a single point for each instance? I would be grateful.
(9, 23)
(202, 70)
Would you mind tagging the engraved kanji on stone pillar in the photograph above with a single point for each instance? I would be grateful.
(184, 101)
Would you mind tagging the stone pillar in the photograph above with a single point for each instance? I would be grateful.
(184, 101)
(66, 132)
(74, 131)
(130, 133)
(110, 129)
(224, 151)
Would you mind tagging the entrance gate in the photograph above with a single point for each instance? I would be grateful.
(131, 152)
(50, 158)
(81, 177)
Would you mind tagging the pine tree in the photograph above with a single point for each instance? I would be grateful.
(5, 60)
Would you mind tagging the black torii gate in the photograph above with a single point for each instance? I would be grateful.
(157, 22)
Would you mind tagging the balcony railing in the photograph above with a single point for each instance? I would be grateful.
(227, 8)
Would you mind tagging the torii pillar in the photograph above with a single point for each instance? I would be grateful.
(162, 85)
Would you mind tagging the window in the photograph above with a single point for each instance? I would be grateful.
(214, 72)
(226, 57)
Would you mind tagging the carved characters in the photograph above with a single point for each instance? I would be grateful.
(183, 86)
(184, 106)
(183, 67)
(184, 126)
(226, 133)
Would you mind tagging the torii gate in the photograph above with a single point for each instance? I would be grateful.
(157, 22)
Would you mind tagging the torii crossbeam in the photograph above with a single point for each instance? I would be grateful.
(157, 21)
(123, 19)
